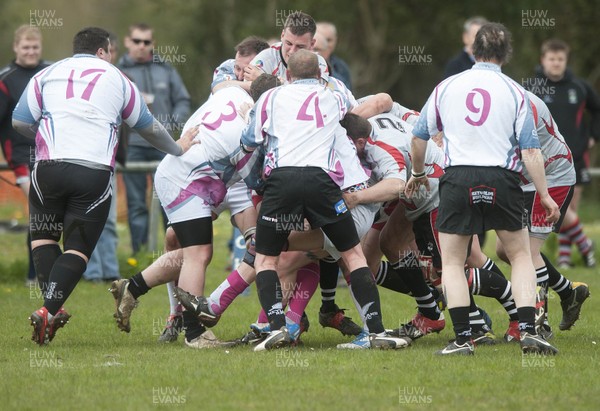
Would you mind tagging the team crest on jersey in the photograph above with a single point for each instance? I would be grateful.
(340, 207)
(572, 96)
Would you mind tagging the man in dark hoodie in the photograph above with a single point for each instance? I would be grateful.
(168, 100)
(18, 150)
(567, 97)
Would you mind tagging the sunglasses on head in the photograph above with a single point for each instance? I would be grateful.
(138, 41)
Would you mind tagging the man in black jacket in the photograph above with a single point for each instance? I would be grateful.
(18, 150)
(567, 97)
(465, 60)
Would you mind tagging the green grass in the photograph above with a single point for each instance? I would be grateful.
(91, 365)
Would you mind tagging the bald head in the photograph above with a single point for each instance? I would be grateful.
(304, 64)
(321, 45)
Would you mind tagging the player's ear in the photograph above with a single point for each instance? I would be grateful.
(312, 43)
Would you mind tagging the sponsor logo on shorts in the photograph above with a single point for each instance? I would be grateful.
(482, 195)
(340, 207)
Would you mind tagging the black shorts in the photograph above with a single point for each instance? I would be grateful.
(582, 172)
(71, 200)
(478, 199)
(295, 193)
(427, 239)
(198, 231)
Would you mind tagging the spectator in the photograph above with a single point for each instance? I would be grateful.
(465, 60)
(339, 68)
(18, 150)
(567, 96)
(168, 100)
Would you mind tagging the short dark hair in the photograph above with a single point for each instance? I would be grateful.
(300, 23)
(493, 42)
(555, 45)
(90, 39)
(263, 83)
(356, 126)
(304, 64)
(251, 46)
(141, 27)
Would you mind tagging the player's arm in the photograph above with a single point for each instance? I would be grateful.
(28, 111)
(426, 127)
(385, 190)
(531, 155)
(137, 116)
(376, 104)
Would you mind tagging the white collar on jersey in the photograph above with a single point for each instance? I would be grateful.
(487, 66)
(307, 81)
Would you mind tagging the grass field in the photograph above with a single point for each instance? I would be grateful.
(91, 365)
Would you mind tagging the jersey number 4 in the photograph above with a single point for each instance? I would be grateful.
(303, 114)
(87, 92)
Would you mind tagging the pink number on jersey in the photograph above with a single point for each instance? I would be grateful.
(304, 116)
(485, 110)
(87, 93)
(222, 117)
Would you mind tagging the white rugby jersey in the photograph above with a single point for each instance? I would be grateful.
(355, 176)
(271, 62)
(338, 86)
(387, 152)
(79, 103)
(225, 72)
(297, 124)
(558, 161)
(485, 116)
(209, 168)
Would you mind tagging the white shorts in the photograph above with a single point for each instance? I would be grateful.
(363, 216)
(191, 207)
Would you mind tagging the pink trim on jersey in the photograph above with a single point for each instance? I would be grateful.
(240, 164)
(263, 110)
(438, 118)
(211, 190)
(41, 148)
(131, 104)
(38, 93)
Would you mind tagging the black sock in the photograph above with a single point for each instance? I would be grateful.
(460, 323)
(137, 285)
(527, 319)
(475, 318)
(490, 284)
(328, 283)
(193, 328)
(270, 295)
(366, 294)
(66, 273)
(413, 277)
(491, 266)
(44, 258)
(391, 279)
(559, 283)
(31, 273)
